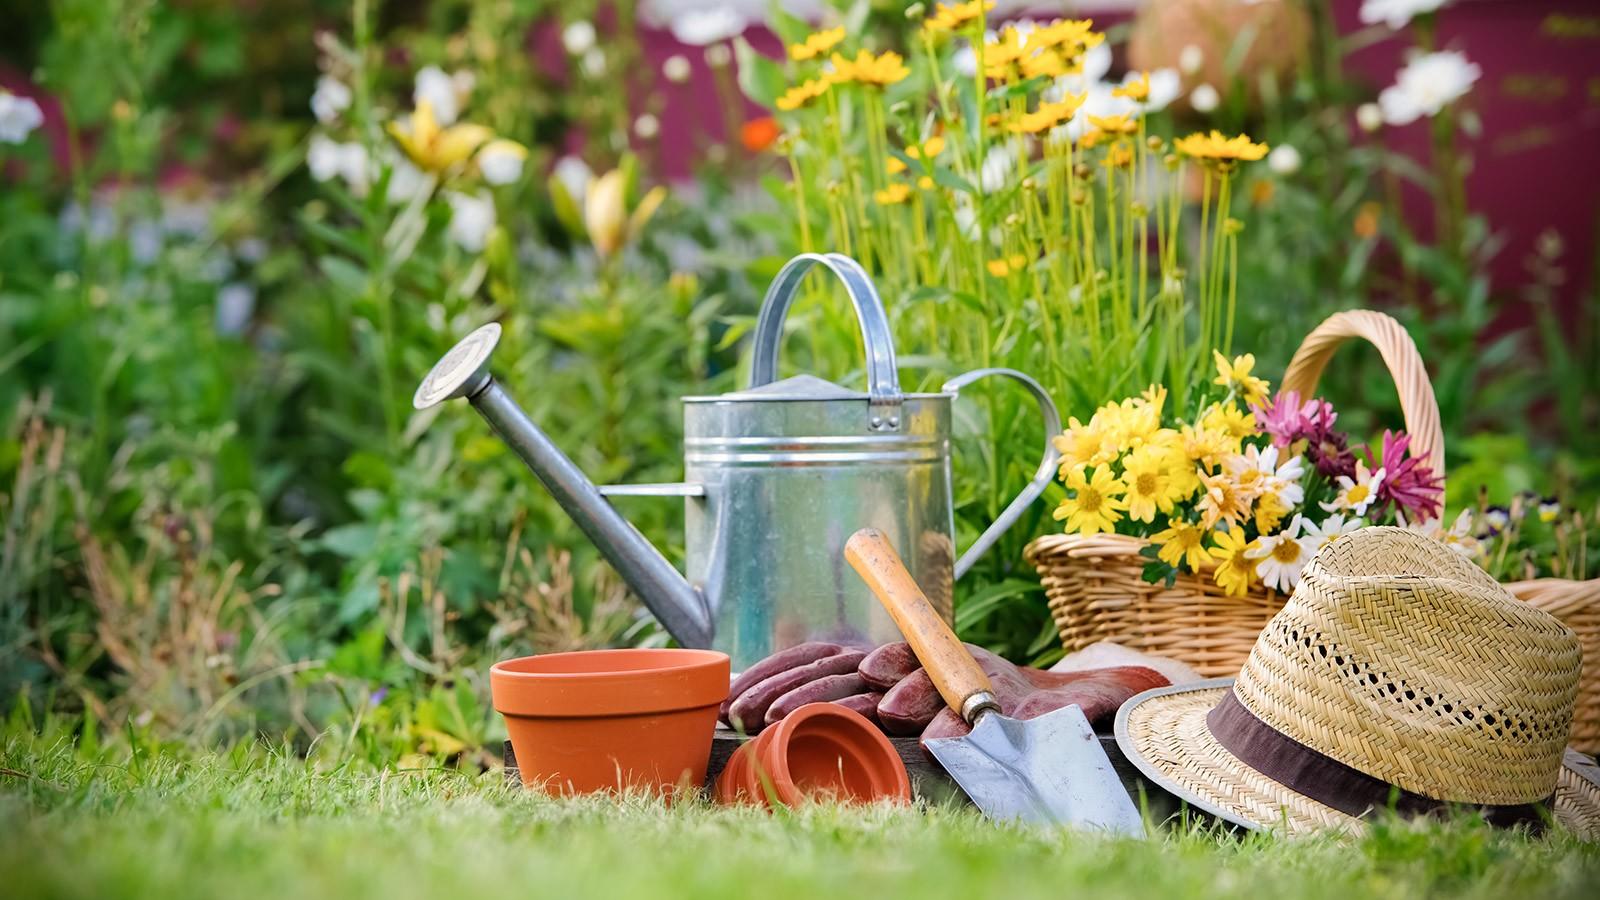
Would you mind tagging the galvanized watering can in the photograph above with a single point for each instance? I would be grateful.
(776, 479)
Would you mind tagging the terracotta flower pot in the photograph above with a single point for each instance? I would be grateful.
(611, 719)
(821, 751)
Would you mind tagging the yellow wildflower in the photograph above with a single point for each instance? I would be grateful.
(953, 16)
(1137, 90)
(894, 193)
(1229, 420)
(1207, 446)
(1001, 267)
(1117, 124)
(1071, 35)
(925, 182)
(893, 165)
(1235, 570)
(1223, 501)
(1120, 156)
(927, 150)
(1004, 54)
(1049, 115)
(1046, 64)
(816, 44)
(435, 149)
(802, 94)
(1270, 510)
(1084, 444)
(1090, 138)
(1182, 544)
(1236, 377)
(1221, 148)
(1094, 505)
(879, 70)
(1147, 473)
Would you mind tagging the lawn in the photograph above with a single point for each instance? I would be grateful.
(251, 823)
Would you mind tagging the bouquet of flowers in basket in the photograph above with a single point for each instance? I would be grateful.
(1247, 486)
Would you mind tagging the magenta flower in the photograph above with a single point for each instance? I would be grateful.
(1287, 420)
(1409, 485)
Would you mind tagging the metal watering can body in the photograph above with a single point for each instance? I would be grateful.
(776, 479)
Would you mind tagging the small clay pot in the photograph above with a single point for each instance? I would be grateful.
(599, 720)
(821, 751)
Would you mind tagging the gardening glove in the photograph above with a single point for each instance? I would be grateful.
(812, 672)
(911, 705)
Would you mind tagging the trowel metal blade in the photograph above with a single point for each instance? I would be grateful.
(1049, 770)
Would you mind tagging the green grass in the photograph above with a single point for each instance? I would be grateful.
(254, 824)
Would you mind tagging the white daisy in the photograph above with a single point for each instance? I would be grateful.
(1356, 494)
(1331, 529)
(1282, 557)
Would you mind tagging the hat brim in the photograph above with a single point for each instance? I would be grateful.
(1163, 733)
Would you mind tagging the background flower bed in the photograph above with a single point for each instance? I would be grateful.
(221, 518)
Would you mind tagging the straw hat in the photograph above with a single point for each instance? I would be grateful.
(1398, 672)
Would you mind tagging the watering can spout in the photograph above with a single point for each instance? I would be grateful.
(464, 373)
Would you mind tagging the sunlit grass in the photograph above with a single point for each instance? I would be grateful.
(250, 823)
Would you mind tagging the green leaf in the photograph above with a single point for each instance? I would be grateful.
(761, 79)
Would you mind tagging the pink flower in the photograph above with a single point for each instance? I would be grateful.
(1287, 420)
(1409, 485)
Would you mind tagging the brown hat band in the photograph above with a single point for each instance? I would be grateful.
(1329, 781)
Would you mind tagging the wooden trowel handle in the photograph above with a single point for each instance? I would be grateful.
(954, 672)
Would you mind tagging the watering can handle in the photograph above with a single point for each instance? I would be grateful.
(883, 379)
(1041, 476)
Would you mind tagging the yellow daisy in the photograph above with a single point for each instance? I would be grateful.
(1218, 147)
(1229, 420)
(1137, 90)
(1095, 504)
(1223, 501)
(802, 94)
(816, 44)
(1048, 115)
(1118, 124)
(953, 16)
(1235, 570)
(880, 70)
(1207, 446)
(1181, 545)
(1147, 473)
(1084, 444)
(1236, 377)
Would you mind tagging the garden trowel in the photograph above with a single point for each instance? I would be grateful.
(1050, 769)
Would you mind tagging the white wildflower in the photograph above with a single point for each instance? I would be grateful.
(1204, 98)
(578, 37)
(1356, 494)
(1191, 58)
(471, 219)
(1426, 85)
(501, 161)
(447, 93)
(1284, 159)
(708, 25)
(236, 300)
(647, 126)
(331, 98)
(19, 116)
(575, 176)
(1396, 13)
(593, 63)
(1369, 116)
(675, 68)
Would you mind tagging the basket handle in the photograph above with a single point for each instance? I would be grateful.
(1399, 355)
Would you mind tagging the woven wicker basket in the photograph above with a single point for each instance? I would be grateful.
(1097, 592)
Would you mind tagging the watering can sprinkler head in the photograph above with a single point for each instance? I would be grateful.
(464, 372)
